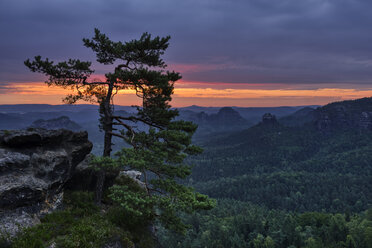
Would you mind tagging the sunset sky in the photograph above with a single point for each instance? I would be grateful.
(229, 52)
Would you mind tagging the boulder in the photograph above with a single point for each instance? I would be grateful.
(35, 164)
(135, 176)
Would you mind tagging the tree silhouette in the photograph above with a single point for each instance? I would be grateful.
(138, 66)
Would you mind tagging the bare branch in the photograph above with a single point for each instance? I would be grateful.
(127, 127)
(95, 83)
(135, 119)
(119, 67)
(155, 190)
(146, 182)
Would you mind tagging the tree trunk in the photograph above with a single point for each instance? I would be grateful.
(99, 186)
(107, 127)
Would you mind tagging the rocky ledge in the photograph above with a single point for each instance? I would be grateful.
(35, 164)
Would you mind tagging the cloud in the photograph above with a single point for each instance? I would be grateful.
(189, 93)
(242, 41)
(6, 88)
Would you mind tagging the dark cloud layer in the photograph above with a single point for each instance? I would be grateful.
(241, 41)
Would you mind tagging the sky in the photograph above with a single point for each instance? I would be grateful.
(230, 53)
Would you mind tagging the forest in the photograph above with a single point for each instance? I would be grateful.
(241, 224)
(280, 186)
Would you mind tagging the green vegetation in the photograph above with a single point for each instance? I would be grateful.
(82, 224)
(159, 155)
(127, 217)
(159, 197)
(239, 224)
(282, 187)
(295, 169)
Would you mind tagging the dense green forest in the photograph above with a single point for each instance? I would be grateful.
(280, 186)
(240, 224)
(296, 169)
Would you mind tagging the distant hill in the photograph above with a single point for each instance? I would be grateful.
(7, 121)
(57, 123)
(224, 116)
(316, 159)
(299, 118)
(225, 120)
(198, 109)
(288, 168)
(344, 115)
(26, 108)
(252, 114)
(211, 120)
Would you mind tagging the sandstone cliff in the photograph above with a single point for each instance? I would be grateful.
(35, 164)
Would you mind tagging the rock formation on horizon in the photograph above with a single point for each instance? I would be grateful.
(57, 123)
(269, 119)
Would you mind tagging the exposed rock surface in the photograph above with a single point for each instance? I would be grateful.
(12, 222)
(135, 176)
(365, 121)
(85, 177)
(34, 167)
(344, 116)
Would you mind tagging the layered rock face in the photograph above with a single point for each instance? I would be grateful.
(341, 119)
(35, 164)
(346, 115)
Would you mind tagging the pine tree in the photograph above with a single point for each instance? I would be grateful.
(159, 155)
(135, 59)
(159, 150)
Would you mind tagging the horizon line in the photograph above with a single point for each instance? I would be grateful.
(201, 106)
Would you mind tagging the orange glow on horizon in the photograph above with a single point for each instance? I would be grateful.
(202, 94)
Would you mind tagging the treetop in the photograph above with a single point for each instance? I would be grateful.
(145, 51)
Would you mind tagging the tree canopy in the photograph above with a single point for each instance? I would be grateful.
(156, 150)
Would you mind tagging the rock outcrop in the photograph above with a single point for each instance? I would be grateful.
(269, 119)
(35, 164)
(85, 177)
(135, 176)
(351, 115)
(324, 123)
(341, 118)
(365, 121)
